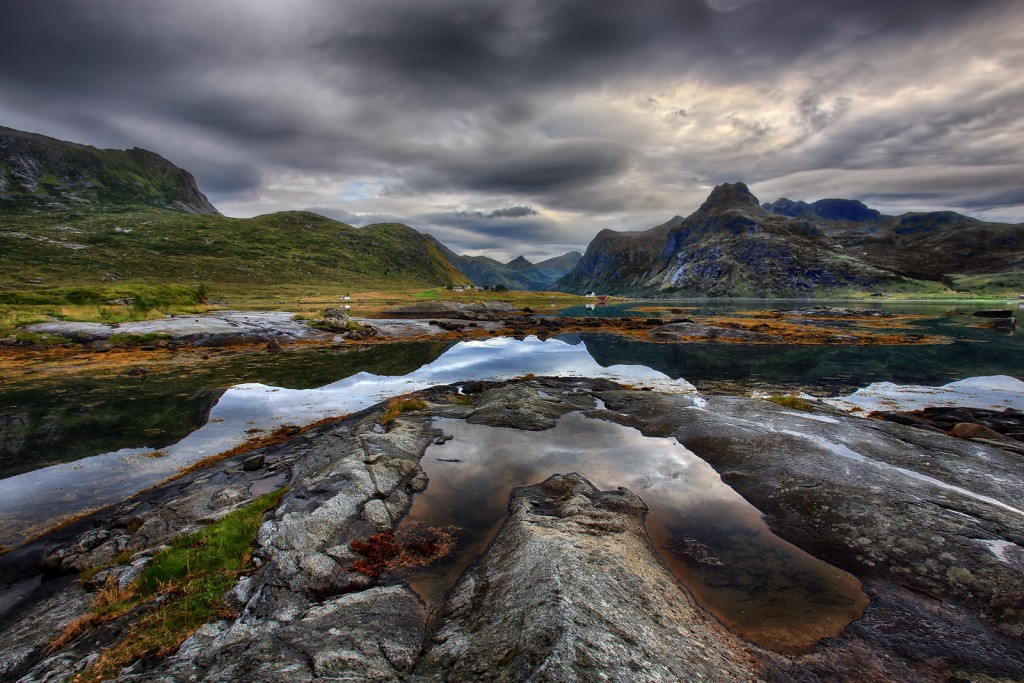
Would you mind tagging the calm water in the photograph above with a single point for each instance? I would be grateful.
(758, 585)
(64, 418)
(822, 370)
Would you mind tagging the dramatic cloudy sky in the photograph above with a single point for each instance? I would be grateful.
(525, 127)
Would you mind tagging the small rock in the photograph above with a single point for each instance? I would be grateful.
(970, 430)
(274, 346)
(253, 463)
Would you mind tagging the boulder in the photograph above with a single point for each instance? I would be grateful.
(571, 590)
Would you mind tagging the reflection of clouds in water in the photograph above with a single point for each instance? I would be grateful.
(760, 584)
(496, 459)
(28, 499)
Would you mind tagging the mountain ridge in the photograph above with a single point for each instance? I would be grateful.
(519, 273)
(732, 245)
(42, 173)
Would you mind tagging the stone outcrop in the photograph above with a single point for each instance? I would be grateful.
(571, 590)
(681, 331)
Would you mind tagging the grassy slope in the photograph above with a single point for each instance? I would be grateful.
(296, 250)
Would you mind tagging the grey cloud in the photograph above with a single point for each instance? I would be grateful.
(814, 114)
(512, 211)
(517, 211)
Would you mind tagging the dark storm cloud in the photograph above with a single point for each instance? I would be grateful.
(550, 168)
(515, 211)
(278, 105)
(471, 50)
(515, 229)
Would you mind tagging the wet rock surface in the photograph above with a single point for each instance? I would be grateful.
(570, 588)
(577, 562)
(833, 312)
(212, 329)
(1000, 428)
(926, 521)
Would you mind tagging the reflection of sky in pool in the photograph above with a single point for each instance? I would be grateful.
(760, 586)
(31, 502)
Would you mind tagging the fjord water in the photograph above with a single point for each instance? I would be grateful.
(715, 542)
(822, 370)
(32, 501)
(52, 418)
(109, 426)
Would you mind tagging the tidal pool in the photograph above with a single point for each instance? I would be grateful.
(716, 544)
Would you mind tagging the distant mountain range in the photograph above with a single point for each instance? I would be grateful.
(518, 273)
(71, 214)
(735, 246)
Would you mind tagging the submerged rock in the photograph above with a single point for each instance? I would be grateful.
(451, 309)
(689, 330)
(833, 312)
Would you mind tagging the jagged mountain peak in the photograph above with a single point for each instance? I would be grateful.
(519, 263)
(729, 196)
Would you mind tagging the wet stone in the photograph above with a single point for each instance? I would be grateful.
(254, 462)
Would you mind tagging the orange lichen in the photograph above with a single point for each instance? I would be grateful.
(385, 552)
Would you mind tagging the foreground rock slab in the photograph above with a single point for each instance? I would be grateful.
(570, 589)
(591, 601)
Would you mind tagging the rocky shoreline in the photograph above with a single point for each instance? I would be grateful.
(570, 588)
(450, 320)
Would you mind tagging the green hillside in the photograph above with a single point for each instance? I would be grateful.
(44, 174)
(150, 245)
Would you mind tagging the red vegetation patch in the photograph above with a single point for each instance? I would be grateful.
(386, 552)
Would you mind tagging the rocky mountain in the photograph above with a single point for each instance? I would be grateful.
(519, 273)
(734, 246)
(937, 245)
(42, 173)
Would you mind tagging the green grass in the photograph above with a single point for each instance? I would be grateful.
(997, 284)
(93, 304)
(142, 296)
(189, 578)
(285, 253)
(397, 406)
(788, 401)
